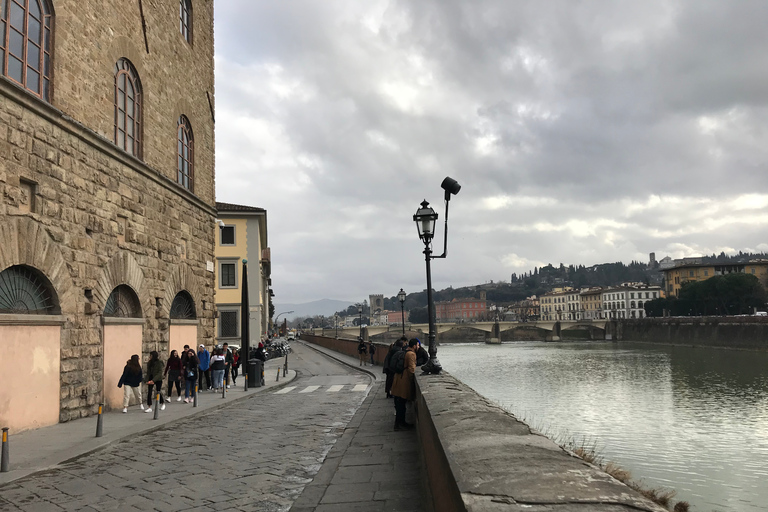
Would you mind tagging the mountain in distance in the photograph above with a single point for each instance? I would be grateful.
(326, 307)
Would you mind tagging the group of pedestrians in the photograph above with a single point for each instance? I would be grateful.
(189, 368)
(400, 368)
(364, 351)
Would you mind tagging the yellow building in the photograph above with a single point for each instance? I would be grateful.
(676, 276)
(241, 236)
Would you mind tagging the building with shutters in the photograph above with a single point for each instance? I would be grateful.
(241, 236)
(107, 208)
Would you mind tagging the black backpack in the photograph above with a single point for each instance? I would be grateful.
(397, 362)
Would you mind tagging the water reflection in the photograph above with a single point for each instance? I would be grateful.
(693, 419)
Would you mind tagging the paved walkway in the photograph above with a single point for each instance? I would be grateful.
(320, 440)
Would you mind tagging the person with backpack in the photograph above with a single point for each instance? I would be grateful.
(132, 377)
(404, 383)
(155, 381)
(372, 351)
(389, 372)
(361, 351)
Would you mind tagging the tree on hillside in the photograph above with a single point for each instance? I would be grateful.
(730, 294)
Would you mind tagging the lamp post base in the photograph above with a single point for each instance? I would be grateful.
(432, 366)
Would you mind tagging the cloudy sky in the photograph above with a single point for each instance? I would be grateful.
(581, 132)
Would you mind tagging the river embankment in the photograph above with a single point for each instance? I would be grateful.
(735, 332)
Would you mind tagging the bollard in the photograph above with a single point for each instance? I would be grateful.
(194, 398)
(285, 367)
(278, 375)
(156, 412)
(246, 381)
(99, 421)
(5, 459)
(223, 389)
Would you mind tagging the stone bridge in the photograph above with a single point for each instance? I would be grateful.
(489, 332)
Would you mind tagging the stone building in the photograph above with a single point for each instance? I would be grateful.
(107, 216)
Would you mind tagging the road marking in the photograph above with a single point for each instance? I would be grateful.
(360, 387)
(285, 390)
(335, 388)
(309, 389)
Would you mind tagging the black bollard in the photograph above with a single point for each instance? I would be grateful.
(278, 375)
(100, 421)
(224, 389)
(194, 398)
(246, 381)
(156, 412)
(285, 367)
(5, 459)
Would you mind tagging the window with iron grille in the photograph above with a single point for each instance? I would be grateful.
(185, 19)
(123, 303)
(227, 235)
(24, 290)
(229, 324)
(227, 275)
(25, 44)
(127, 108)
(186, 154)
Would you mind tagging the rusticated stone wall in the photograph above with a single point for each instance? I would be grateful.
(91, 217)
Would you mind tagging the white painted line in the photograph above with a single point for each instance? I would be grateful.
(285, 390)
(335, 388)
(309, 389)
(360, 387)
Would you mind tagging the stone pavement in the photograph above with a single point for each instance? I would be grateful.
(313, 445)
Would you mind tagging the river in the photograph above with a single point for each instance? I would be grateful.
(690, 419)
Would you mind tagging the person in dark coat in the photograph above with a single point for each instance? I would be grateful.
(132, 377)
(371, 352)
(155, 380)
(422, 356)
(173, 369)
(395, 347)
(190, 376)
(362, 350)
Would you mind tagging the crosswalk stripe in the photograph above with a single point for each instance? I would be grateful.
(285, 390)
(360, 387)
(335, 388)
(309, 389)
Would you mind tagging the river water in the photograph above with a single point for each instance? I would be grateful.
(690, 419)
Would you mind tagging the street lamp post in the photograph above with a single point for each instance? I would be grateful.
(360, 321)
(425, 218)
(336, 323)
(401, 298)
(278, 316)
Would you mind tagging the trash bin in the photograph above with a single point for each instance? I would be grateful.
(255, 369)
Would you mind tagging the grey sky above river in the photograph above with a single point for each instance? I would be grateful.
(581, 132)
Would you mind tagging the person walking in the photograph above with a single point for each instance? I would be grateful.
(154, 381)
(190, 376)
(228, 362)
(372, 351)
(205, 363)
(132, 377)
(403, 386)
(361, 351)
(235, 365)
(173, 371)
(218, 366)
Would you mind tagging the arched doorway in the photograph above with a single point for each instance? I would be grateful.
(123, 334)
(30, 333)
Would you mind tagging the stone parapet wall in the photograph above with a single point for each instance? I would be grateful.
(478, 457)
(750, 333)
(348, 347)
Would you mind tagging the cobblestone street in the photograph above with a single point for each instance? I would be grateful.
(256, 454)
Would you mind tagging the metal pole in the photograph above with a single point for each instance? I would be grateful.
(433, 366)
(402, 315)
(156, 412)
(224, 387)
(194, 398)
(285, 367)
(278, 375)
(245, 322)
(100, 422)
(5, 460)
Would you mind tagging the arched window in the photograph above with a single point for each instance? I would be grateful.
(25, 44)
(24, 290)
(127, 108)
(186, 154)
(123, 303)
(183, 307)
(185, 19)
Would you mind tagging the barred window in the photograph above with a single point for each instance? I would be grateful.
(24, 290)
(185, 19)
(123, 303)
(25, 44)
(186, 154)
(127, 108)
(227, 275)
(229, 324)
(183, 306)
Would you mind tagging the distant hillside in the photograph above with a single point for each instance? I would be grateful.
(325, 307)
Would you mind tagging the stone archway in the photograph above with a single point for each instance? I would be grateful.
(183, 331)
(122, 269)
(25, 242)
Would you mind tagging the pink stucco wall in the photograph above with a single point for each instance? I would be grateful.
(29, 376)
(183, 335)
(120, 343)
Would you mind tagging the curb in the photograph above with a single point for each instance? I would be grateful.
(345, 363)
